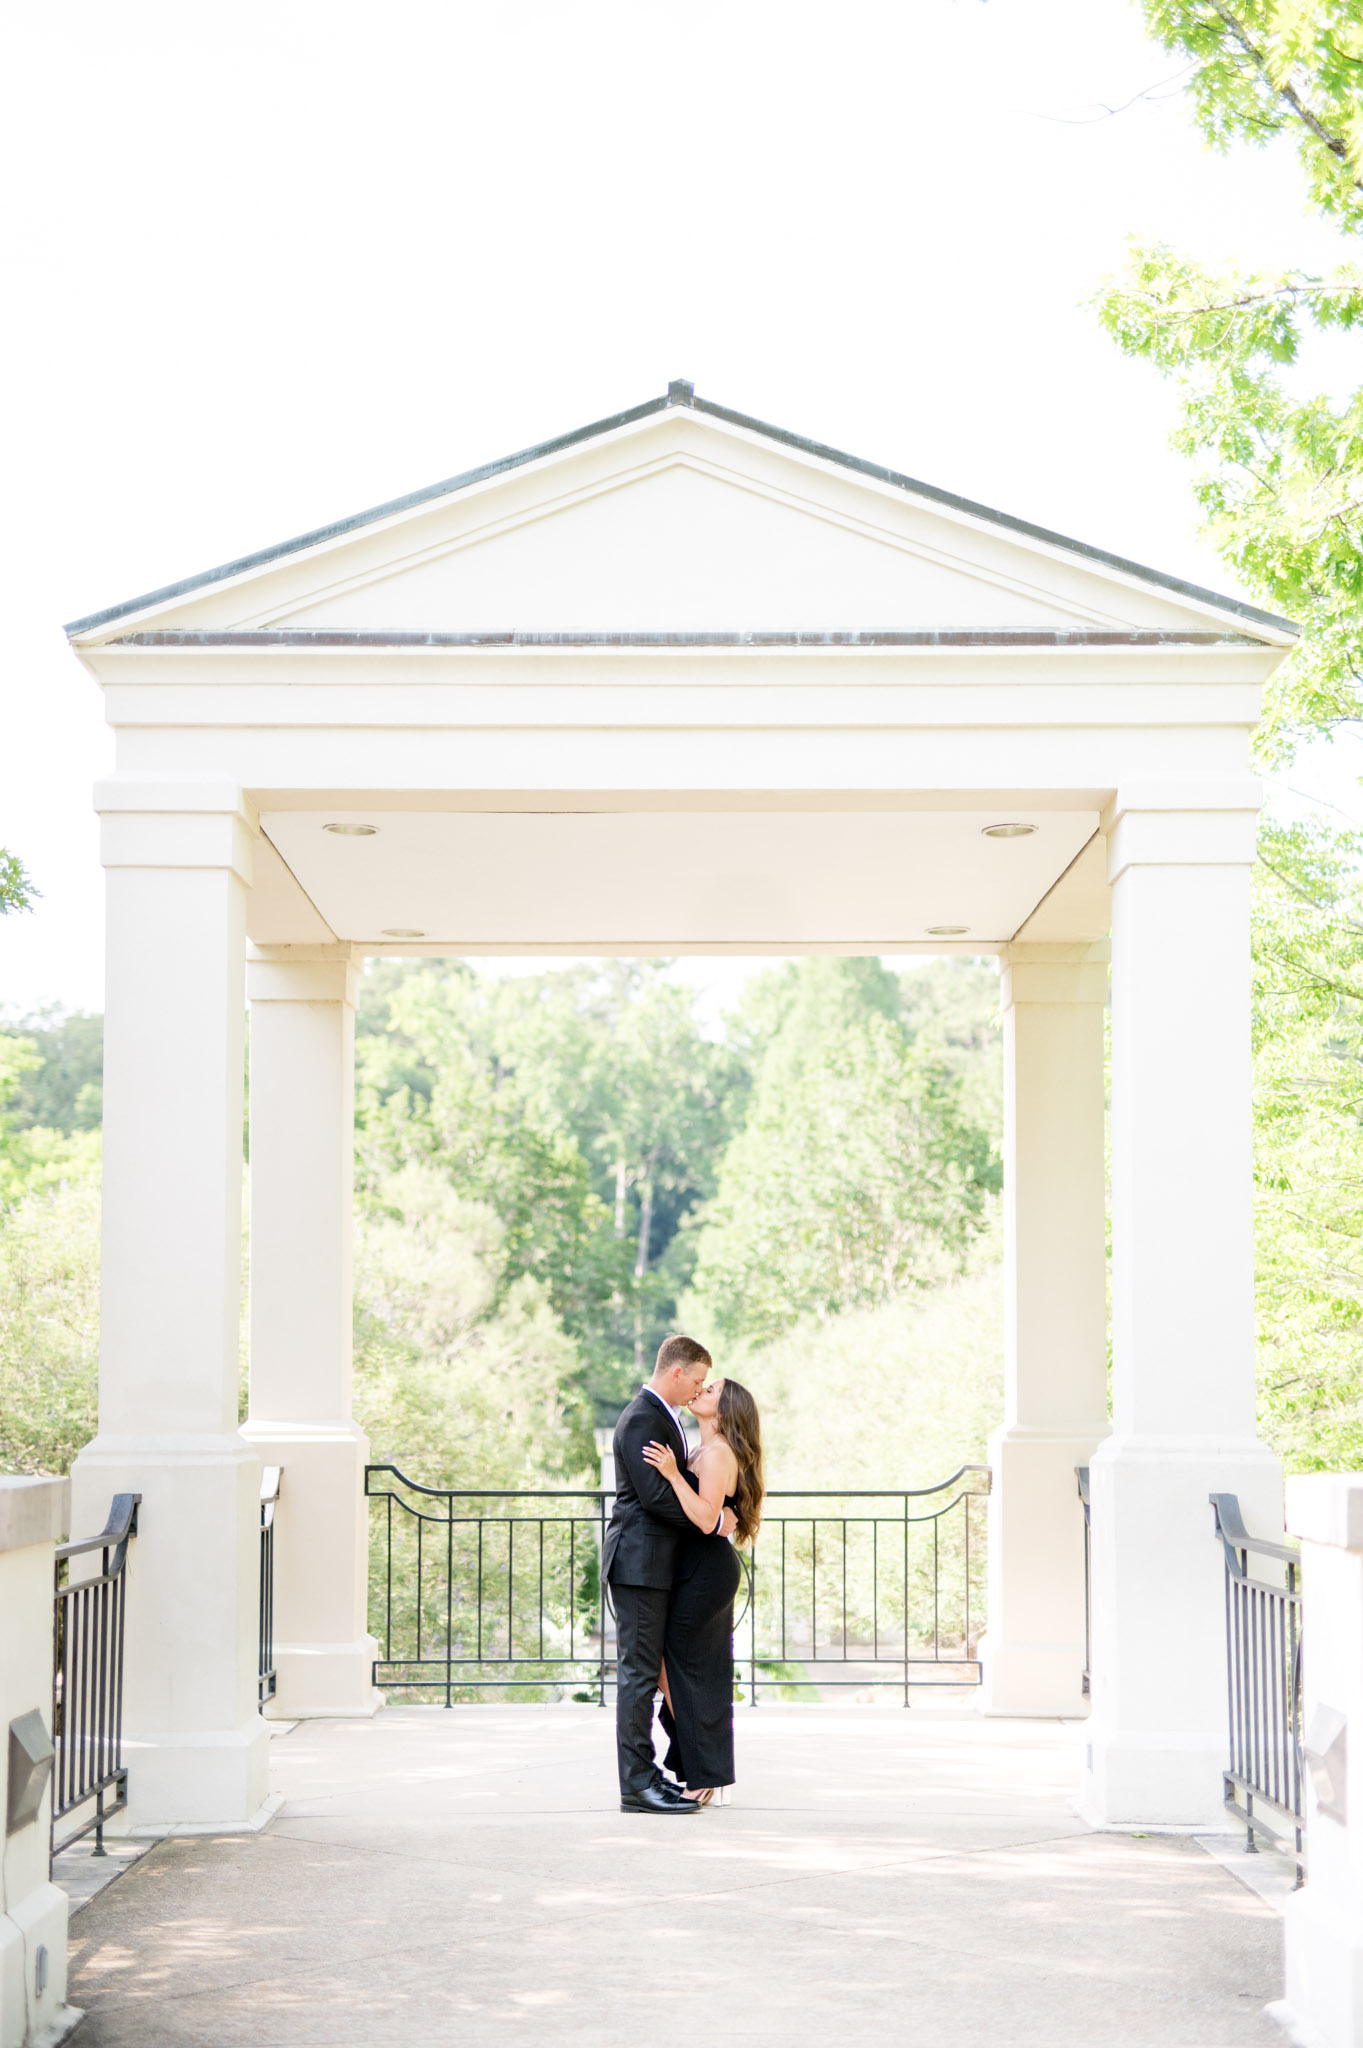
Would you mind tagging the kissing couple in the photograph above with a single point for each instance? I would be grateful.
(672, 1571)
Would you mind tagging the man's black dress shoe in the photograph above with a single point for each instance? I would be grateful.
(655, 1799)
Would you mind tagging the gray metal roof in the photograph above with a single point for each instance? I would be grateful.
(679, 393)
(306, 637)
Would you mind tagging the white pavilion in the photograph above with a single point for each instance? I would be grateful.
(680, 682)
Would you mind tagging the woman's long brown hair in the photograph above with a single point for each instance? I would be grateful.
(741, 1429)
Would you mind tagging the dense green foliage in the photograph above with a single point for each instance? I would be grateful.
(540, 1163)
(1279, 476)
(34, 1155)
(1261, 68)
(895, 1395)
(461, 1374)
(62, 1087)
(1308, 1025)
(49, 1319)
(583, 1107)
(858, 1172)
(1279, 470)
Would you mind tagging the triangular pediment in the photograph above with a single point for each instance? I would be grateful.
(681, 520)
(687, 548)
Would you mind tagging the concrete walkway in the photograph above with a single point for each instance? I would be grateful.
(882, 1876)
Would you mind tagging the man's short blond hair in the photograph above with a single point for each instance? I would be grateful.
(682, 1351)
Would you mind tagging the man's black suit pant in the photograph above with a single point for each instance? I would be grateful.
(640, 1626)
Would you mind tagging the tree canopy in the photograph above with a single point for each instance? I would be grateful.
(1279, 470)
(540, 1164)
(1279, 477)
(1262, 68)
(859, 1171)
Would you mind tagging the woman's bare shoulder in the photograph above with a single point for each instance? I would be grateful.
(717, 1456)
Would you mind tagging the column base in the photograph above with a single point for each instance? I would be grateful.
(324, 1682)
(27, 2015)
(1033, 1649)
(1170, 1781)
(196, 1780)
(1032, 1681)
(1323, 2006)
(1157, 1742)
(194, 1744)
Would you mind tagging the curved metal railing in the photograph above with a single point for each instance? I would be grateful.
(474, 1590)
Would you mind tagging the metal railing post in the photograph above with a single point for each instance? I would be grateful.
(1081, 1473)
(87, 1679)
(1263, 1779)
(267, 1681)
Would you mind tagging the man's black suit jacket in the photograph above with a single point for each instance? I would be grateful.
(646, 1537)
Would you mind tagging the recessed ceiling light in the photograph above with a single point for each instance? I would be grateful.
(352, 831)
(401, 931)
(947, 931)
(1008, 831)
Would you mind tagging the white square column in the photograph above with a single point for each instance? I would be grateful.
(1179, 861)
(178, 861)
(1055, 1280)
(302, 1174)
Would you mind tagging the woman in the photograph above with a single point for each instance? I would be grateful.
(698, 1654)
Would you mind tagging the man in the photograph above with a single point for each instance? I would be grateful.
(644, 1554)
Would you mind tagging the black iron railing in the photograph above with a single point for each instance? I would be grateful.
(269, 1496)
(1081, 1473)
(1263, 1681)
(482, 1588)
(87, 1684)
(473, 1591)
(847, 1586)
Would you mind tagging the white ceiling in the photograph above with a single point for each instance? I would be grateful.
(673, 881)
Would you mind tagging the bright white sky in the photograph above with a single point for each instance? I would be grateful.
(271, 263)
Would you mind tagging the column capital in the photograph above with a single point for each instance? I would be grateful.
(1072, 973)
(150, 822)
(1193, 821)
(303, 974)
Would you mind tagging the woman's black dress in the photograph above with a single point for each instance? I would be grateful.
(699, 1654)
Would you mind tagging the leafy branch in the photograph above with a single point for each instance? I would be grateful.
(16, 887)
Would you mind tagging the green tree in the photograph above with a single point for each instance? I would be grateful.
(461, 1377)
(953, 1006)
(49, 1323)
(63, 1090)
(431, 1089)
(16, 887)
(662, 1118)
(1308, 1082)
(1279, 475)
(584, 1105)
(49, 1278)
(34, 1155)
(1279, 472)
(1263, 68)
(857, 1175)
